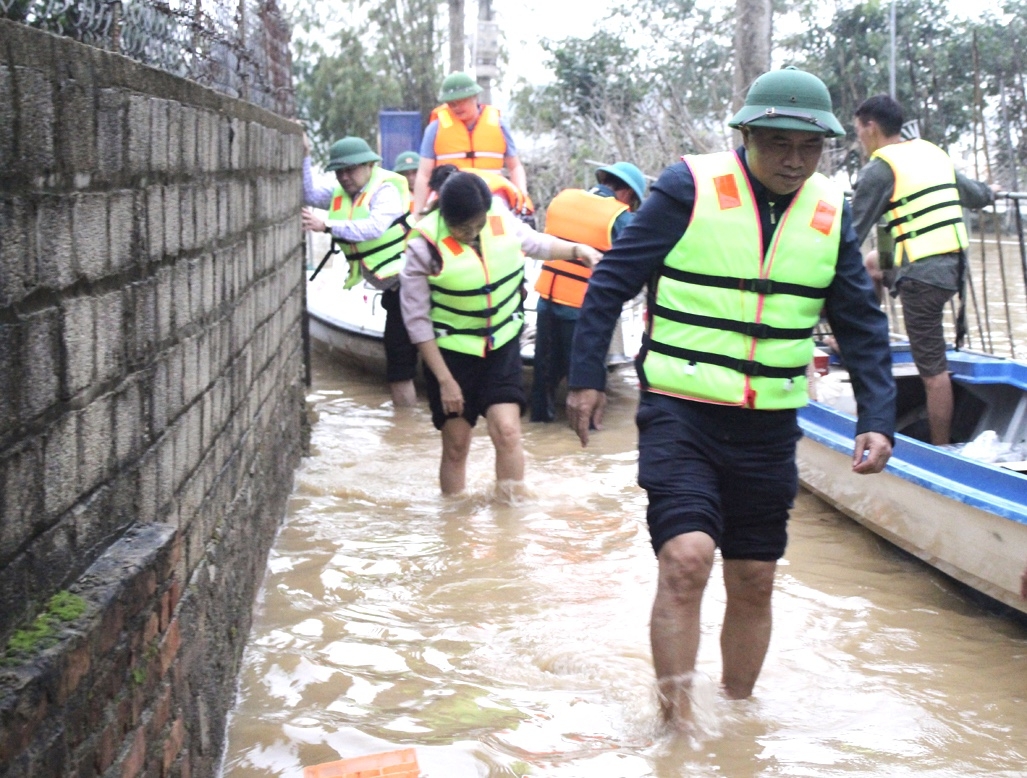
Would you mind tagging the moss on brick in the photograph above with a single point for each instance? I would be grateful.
(43, 632)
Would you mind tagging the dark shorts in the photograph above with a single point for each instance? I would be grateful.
(728, 472)
(400, 353)
(923, 309)
(485, 381)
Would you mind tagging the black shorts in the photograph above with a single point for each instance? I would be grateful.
(728, 472)
(485, 381)
(400, 353)
(923, 310)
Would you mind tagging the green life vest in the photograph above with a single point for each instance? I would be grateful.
(381, 256)
(924, 216)
(731, 325)
(476, 300)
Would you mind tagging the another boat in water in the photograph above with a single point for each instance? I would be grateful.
(961, 508)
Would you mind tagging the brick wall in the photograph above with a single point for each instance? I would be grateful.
(151, 402)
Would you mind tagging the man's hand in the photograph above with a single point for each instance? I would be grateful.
(306, 145)
(585, 407)
(312, 222)
(871, 453)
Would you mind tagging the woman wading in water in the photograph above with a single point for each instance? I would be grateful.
(462, 300)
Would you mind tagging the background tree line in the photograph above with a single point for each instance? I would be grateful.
(656, 81)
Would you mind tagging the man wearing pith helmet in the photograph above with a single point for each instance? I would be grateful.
(741, 250)
(406, 165)
(367, 211)
(466, 134)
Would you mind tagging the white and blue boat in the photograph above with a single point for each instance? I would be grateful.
(961, 508)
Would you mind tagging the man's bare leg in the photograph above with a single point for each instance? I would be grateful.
(456, 444)
(747, 622)
(939, 407)
(685, 563)
(403, 394)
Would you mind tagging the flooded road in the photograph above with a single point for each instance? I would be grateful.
(511, 640)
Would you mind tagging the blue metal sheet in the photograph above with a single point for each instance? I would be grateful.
(398, 131)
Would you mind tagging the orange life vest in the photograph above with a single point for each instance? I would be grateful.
(580, 217)
(516, 199)
(483, 148)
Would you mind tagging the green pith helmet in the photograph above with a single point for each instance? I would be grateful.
(788, 99)
(627, 173)
(407, 160)
(457, 86)
(350, 151)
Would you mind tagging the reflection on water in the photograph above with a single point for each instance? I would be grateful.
(506, 640)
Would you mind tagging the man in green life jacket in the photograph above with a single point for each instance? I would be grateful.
(914, 183)
(368, 209)
(740, 251)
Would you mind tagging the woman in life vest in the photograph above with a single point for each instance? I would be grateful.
(462, 299)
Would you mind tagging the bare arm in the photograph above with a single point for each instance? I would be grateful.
(562, 249)
(516, 173)
(424, 169)
(452, 396)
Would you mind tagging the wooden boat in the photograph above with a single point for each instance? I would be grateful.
(961, 508)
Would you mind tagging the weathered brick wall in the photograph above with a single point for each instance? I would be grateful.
(151, 403)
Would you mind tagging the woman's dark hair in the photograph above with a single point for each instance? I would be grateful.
(463, 197)
(439, 175)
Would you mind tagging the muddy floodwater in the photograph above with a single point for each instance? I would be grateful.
(512, 640)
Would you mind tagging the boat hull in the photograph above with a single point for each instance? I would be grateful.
(959, 516)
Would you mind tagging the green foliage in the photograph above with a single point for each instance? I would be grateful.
(597, 75)
(1002, 53)
(43, 632)
(936, 72)
(356, 58)
(932, 78)
(653, 84)
(343, 93)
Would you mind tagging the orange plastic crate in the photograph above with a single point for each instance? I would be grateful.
(389, 764)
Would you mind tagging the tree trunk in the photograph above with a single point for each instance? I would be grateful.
(456, 35)
(485, 57)
(752, 45)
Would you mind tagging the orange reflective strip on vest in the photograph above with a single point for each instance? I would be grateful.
(453, 245)
(337, 203)
(727, 192)
(496, 223)
(823, 217)
(563, 281)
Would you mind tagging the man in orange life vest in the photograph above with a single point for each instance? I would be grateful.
(595, 218)
(739, 251)
(468, 135)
